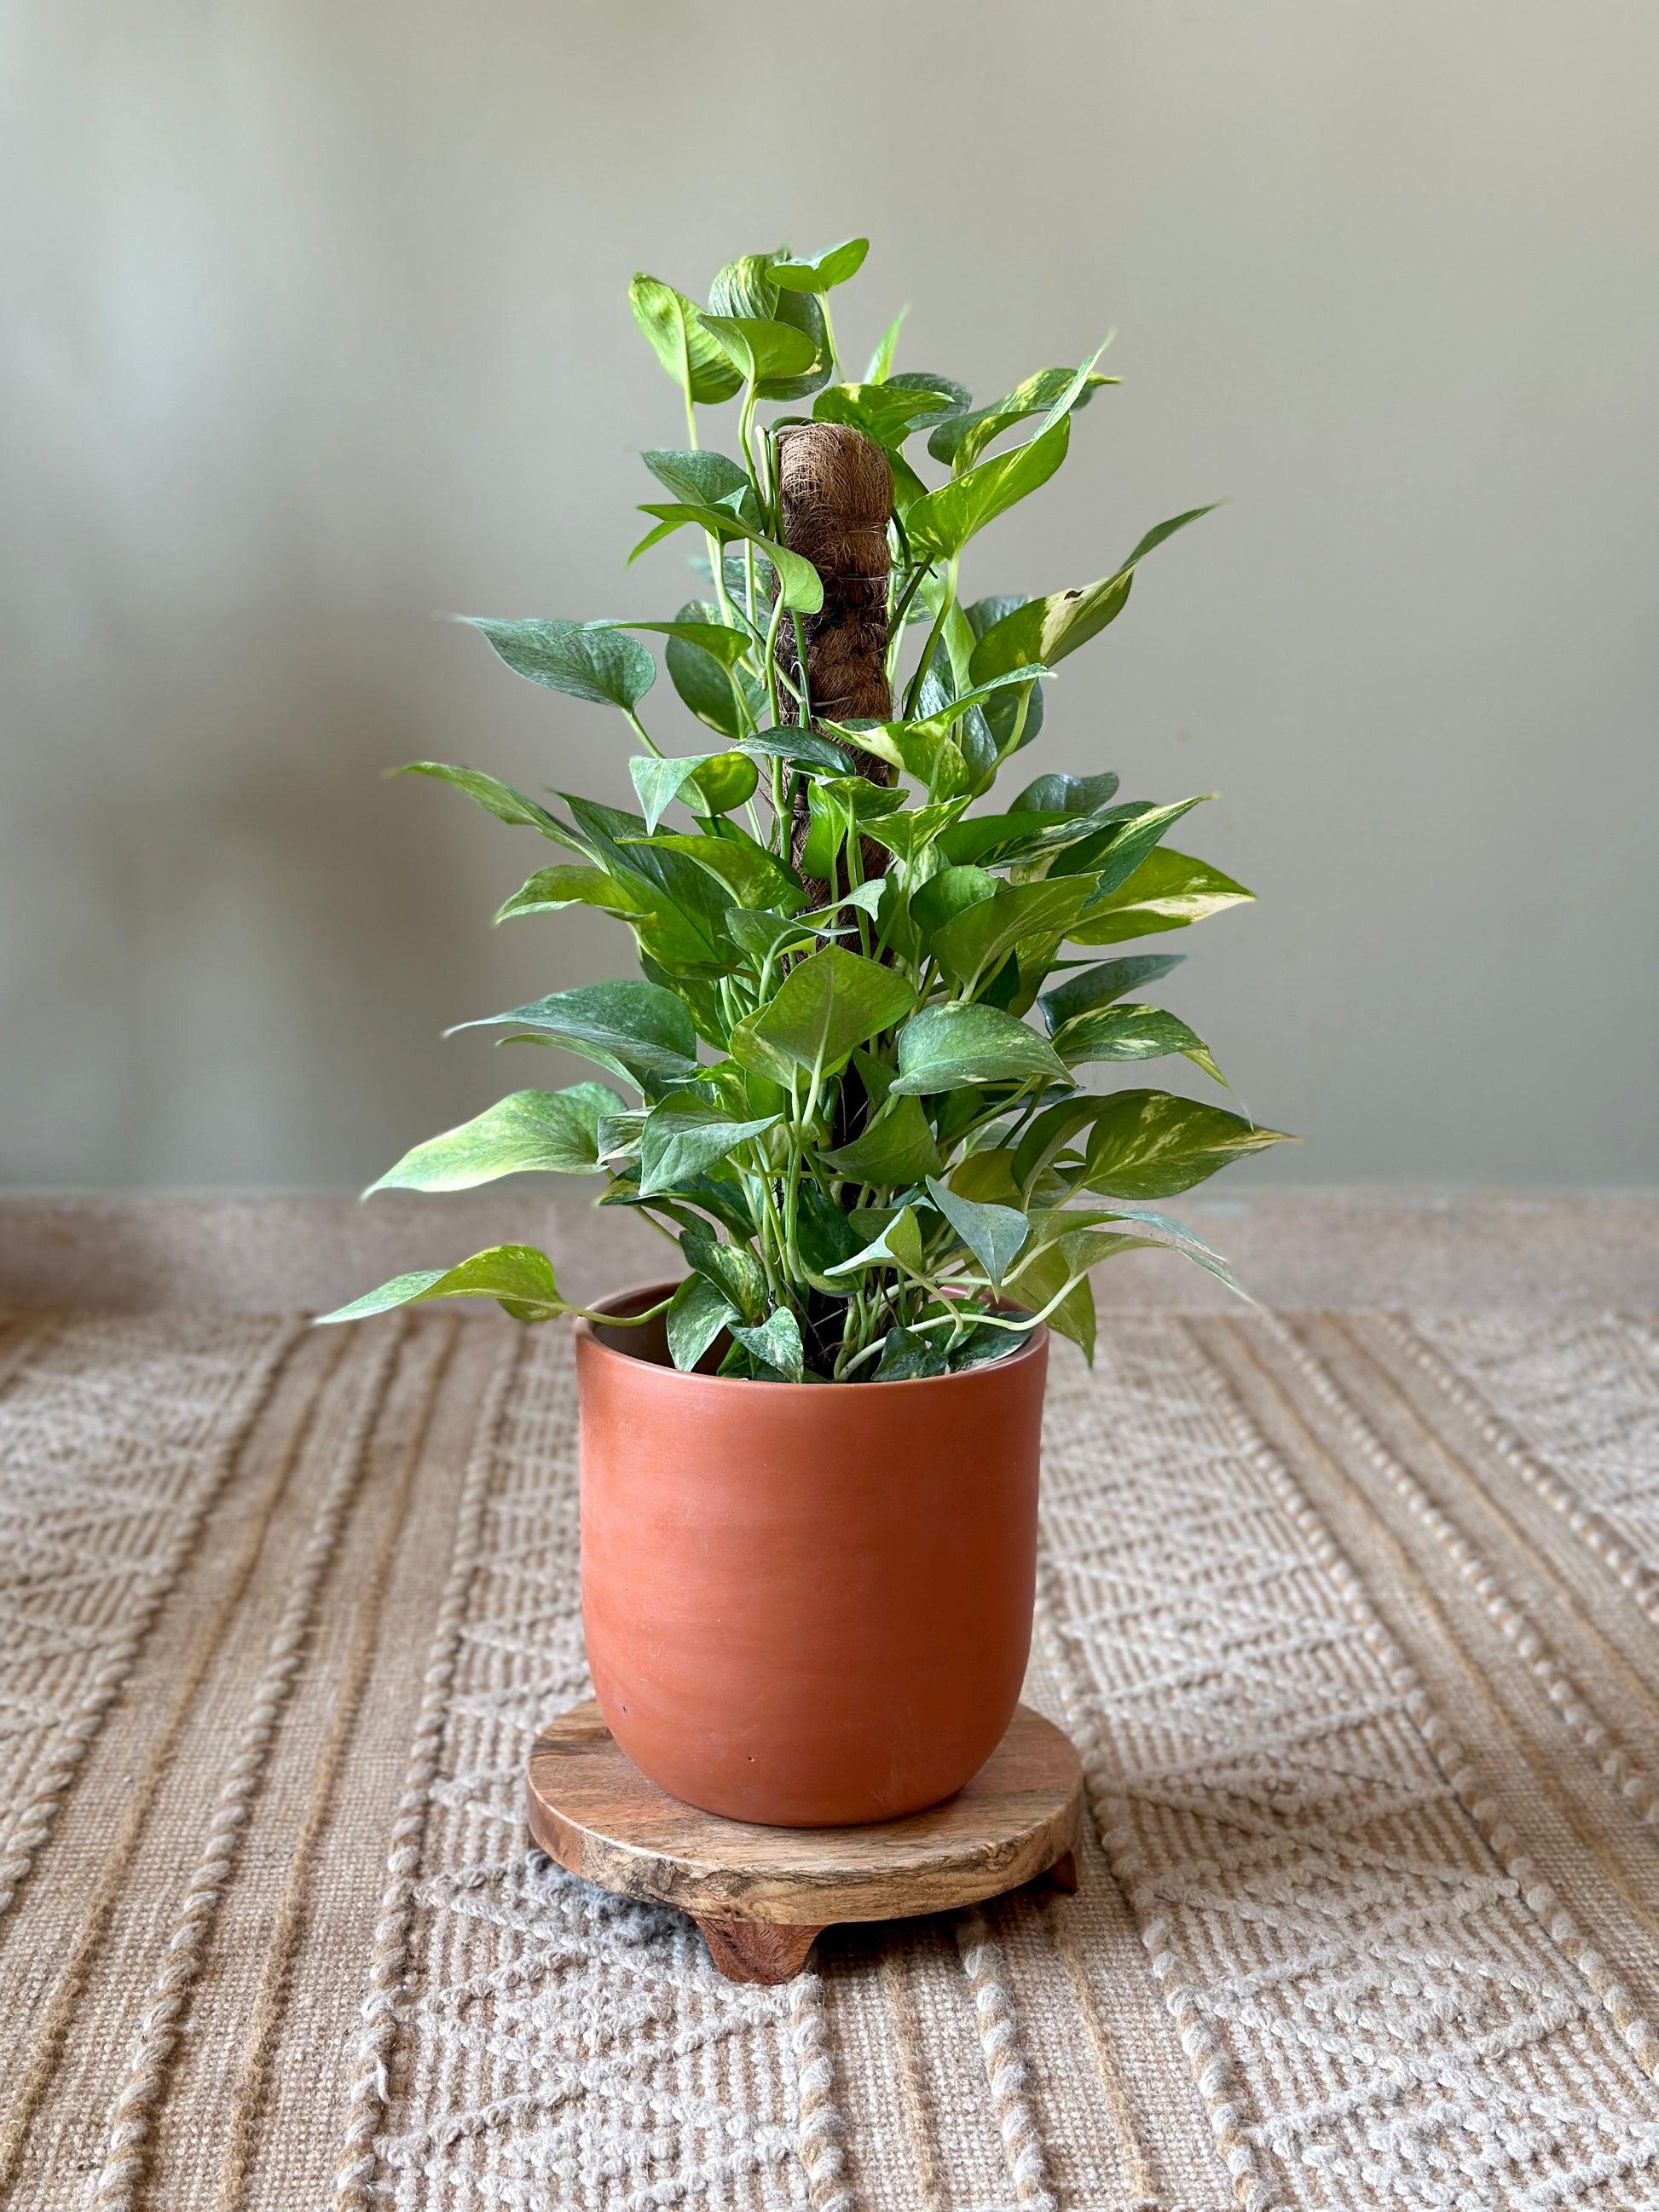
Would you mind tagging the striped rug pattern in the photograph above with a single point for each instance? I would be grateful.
(1354, 1617)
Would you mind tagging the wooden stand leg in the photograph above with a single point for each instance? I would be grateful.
(756, 1950)
(1063, 1872)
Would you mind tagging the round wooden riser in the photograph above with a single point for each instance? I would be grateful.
(761, 1895)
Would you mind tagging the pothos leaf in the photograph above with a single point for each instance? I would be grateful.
(940, 524)
(540, 1130)
(831, 1002)
(497, 797)
(658, 780)
(517, 1276)
(883, 411)
(761, 349)
(682, 1137)
(1047, 629)
(685, 349)
(950, 1047)
(597, 663)
(1120, 1033)
(961, 439)
(1100, 985)
(817, 272)
(799, 581)
(734, 1270)
(754, 877)
(993, 1234)
(1168, 891)
(1148, 1144)
(551, 889)
(698, 1312)
(701, 474)
(898, 1245)
(908, 1357)
(881, 361)
(896, 1149)
(718, 639)
(634, 1029)
(777, 1343)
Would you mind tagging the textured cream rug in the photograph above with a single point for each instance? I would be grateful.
(1353, 1617)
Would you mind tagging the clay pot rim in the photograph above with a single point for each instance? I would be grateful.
(648, 1293)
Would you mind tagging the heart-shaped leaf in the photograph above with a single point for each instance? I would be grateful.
(761, 349)
(885, 414)
(817, 272)
(948, 1048)
(940, 526)
(709, 783)
(799, 580)
(830, 1002)
(683, 1137)
(1114, 851)
(734, 1270)
(961, 439)
(634, 1029)
(775, 1343)
(1065, 794)
(696, 1314)
(674, 327)
(1047, 629)
(658, 780)
(1168, 891)
(907, 1357)
(703, 672)
(718, 639)
(753, 876)
(598, 663)
(976, 942)
(881, 361)
(540, 1130)
(1148, 1144)
(801, 746)
(723, 782)
(497, 798)
(1132, 1032)
(551, 889)
(701, 474)
(993, 1234)
(516, 1275)
(953, 891)
(899, 1245)
(1100, 985)
(897, 1148)
(908, 832)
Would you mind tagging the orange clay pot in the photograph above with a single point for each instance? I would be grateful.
(806, 1606)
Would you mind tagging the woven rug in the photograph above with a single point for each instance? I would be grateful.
(1355, 1619)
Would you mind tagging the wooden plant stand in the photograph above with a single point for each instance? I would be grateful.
(761, 1895)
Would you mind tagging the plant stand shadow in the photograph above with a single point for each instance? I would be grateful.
(761, 1895)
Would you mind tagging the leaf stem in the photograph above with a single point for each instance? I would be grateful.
(896, 620)
(804, 695)
(914, 694)
(641, 733)
(619, 1320)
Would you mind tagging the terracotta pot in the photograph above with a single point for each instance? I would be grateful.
(806, 1606)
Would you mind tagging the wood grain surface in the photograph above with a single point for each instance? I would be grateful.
(592, 1810)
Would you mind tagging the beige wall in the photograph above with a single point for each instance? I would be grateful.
(315, 324)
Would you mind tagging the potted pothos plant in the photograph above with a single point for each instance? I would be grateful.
(854, 1066)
